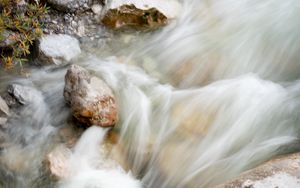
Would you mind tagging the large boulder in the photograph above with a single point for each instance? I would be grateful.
(92, 101)
(56, 49)
(4, 112)
(280, 172)
(136, 14)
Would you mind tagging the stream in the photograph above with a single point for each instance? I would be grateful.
(209, 96)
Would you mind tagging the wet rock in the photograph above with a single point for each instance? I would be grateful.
(4, 112)
(92, 101)
(129, 16)
(10, 100)
(280, 172)
(57, 49)
(22, 94)
(57, 162)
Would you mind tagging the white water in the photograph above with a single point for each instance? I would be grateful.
(238, 63)
(86, 166)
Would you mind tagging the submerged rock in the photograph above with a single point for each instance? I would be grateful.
(129, 16)
(56, 49)
(92, 101)
(279, 172)
(57, 162)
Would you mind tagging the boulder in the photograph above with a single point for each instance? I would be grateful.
(57, 49)
(4, 112)
(92, 101)
(280, 172)
(128, 16)
(69, 5)
(142, 15)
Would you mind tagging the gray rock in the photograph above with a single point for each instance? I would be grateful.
(4, 112)
(69, 5)
(92, 101)
(57, 49)
(21, 93)
(283, 171)
(4, 109)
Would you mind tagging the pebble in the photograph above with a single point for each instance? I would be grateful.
(74, 24)
(96, 9)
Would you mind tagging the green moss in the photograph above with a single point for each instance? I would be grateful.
(20, 26)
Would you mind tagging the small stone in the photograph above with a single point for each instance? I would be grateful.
(96, 9)
(74, 24)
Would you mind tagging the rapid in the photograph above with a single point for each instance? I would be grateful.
(214, 93)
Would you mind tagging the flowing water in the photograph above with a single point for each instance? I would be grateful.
(213, 94)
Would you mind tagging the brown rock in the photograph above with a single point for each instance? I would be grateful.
(92, 101)
(129, 16)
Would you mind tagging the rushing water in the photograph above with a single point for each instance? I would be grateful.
(214, 93)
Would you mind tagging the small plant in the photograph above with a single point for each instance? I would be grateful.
(20, 26)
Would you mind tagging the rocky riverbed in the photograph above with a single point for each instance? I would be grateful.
(101, 101)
